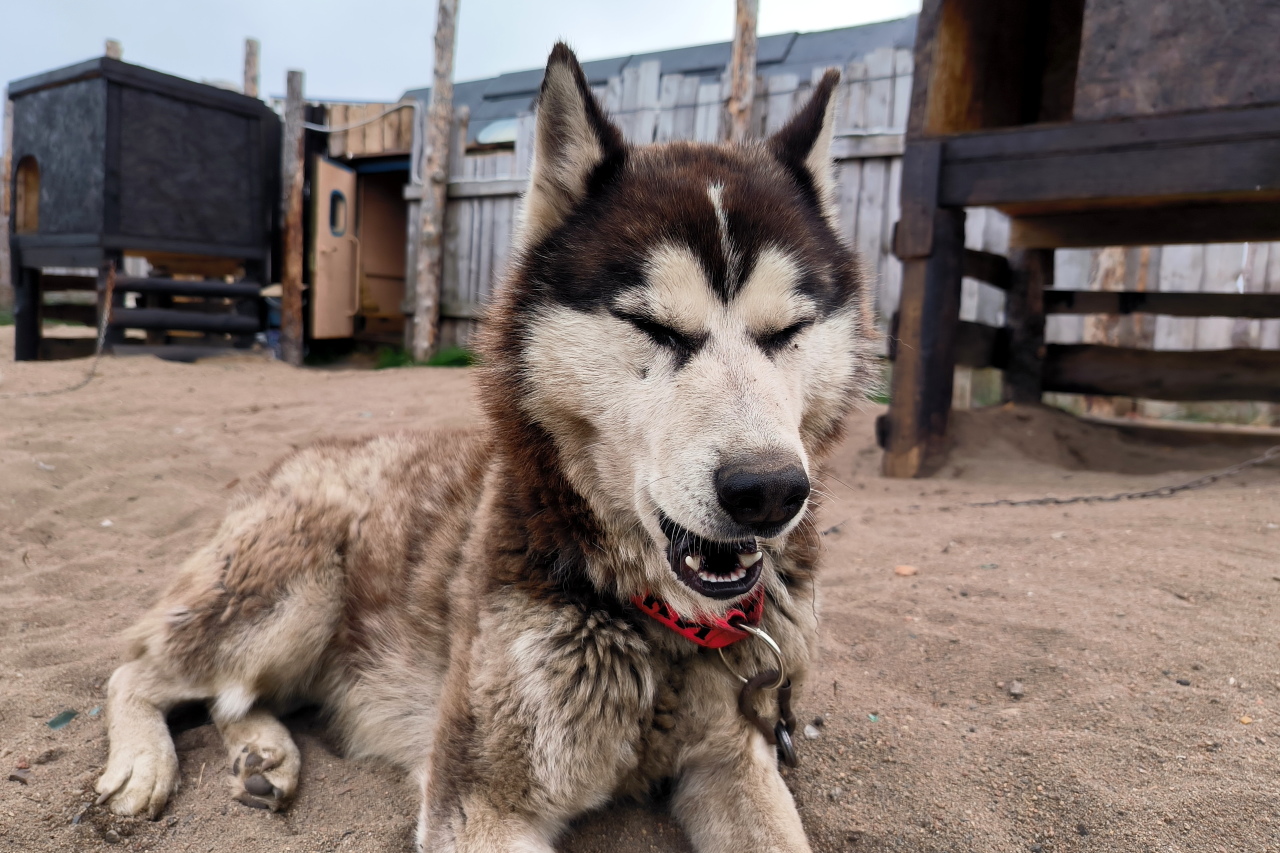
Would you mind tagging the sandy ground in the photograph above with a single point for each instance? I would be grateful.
(1143, 634)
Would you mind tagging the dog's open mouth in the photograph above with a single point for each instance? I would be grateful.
(715, 569)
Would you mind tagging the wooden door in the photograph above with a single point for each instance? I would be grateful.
(335, 292)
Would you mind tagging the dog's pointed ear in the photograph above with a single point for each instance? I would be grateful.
(804, 144)
(573, 140)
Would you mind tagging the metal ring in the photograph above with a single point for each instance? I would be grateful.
(773, 647)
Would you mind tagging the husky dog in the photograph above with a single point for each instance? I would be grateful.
(524, 618)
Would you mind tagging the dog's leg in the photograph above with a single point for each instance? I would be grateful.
(142, 766)
(731, 798)
(263, 758)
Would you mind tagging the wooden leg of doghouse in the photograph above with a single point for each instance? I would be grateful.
(26, 313)
(1031, 274)
(923, 372)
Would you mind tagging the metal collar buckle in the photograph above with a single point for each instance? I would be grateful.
(778, 735)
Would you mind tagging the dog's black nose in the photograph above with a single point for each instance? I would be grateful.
(764, 492)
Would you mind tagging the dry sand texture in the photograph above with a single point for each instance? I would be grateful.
(1142, 636)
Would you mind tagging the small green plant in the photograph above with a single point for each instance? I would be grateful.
(6, 317)
(452, 357)
(388, 357)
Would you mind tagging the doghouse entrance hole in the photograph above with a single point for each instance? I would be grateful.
(26, 196)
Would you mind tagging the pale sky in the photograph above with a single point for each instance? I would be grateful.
(376, 49)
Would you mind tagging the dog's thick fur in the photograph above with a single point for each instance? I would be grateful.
(460, 603)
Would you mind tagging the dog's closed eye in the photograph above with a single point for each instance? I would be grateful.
(682, 344)
(774, 341)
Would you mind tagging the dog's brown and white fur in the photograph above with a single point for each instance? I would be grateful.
(459, 603)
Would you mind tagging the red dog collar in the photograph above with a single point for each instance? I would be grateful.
(715, 633)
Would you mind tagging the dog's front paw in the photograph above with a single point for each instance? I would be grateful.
(139, 779)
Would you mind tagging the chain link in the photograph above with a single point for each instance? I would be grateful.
(1162, 492)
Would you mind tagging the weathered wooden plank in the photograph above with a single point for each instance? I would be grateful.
(1223, 267)
(1252, 305)
(487, 188)
(645, 120)
(1181, 271)
(780, 102)
(890, 266)
(6, 203)
(1235, 374)
(870, 234)
(710, 110)
(863, 146)
(902, 68)
(1192, 223)
(668, 100)
(1247, 167)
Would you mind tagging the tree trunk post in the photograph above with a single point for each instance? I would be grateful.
(430, 271)
(252, 47)
(742, 70)
(7, 283)
(291, 173)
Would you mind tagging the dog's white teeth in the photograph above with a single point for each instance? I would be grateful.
(709, 578)
(694, 562)
(738, 574)
(749, 560)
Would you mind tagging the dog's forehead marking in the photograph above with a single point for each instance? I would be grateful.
(732, 259)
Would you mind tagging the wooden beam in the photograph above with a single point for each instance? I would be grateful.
(1259, 306)
(251, 75)
(988, 267)
(924, 371)
(430, 260)
(863, 146)
(1031, 274)
(7, 280)
(291, 329)
(1239, 374)
(742, 70)
(1143, 226)
(113, 49)
(921, 165)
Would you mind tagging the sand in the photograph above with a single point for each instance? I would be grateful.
(1142, 636)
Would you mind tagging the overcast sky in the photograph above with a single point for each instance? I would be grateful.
(376, 49)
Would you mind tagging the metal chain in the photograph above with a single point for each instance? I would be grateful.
(1162, 492)
(97, 356)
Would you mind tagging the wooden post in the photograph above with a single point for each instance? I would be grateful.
(113, 49)
(291, 202)
(430, 271)
(1031, 274)
(742, 70)
(251, 49)
(7, 282)
(925, 367)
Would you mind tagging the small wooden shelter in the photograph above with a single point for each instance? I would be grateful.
(113, 160)
(1098, 123)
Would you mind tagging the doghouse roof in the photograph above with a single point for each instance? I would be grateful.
(503, 98)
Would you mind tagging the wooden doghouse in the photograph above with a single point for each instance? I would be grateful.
(111, 159)
(1099, 123)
